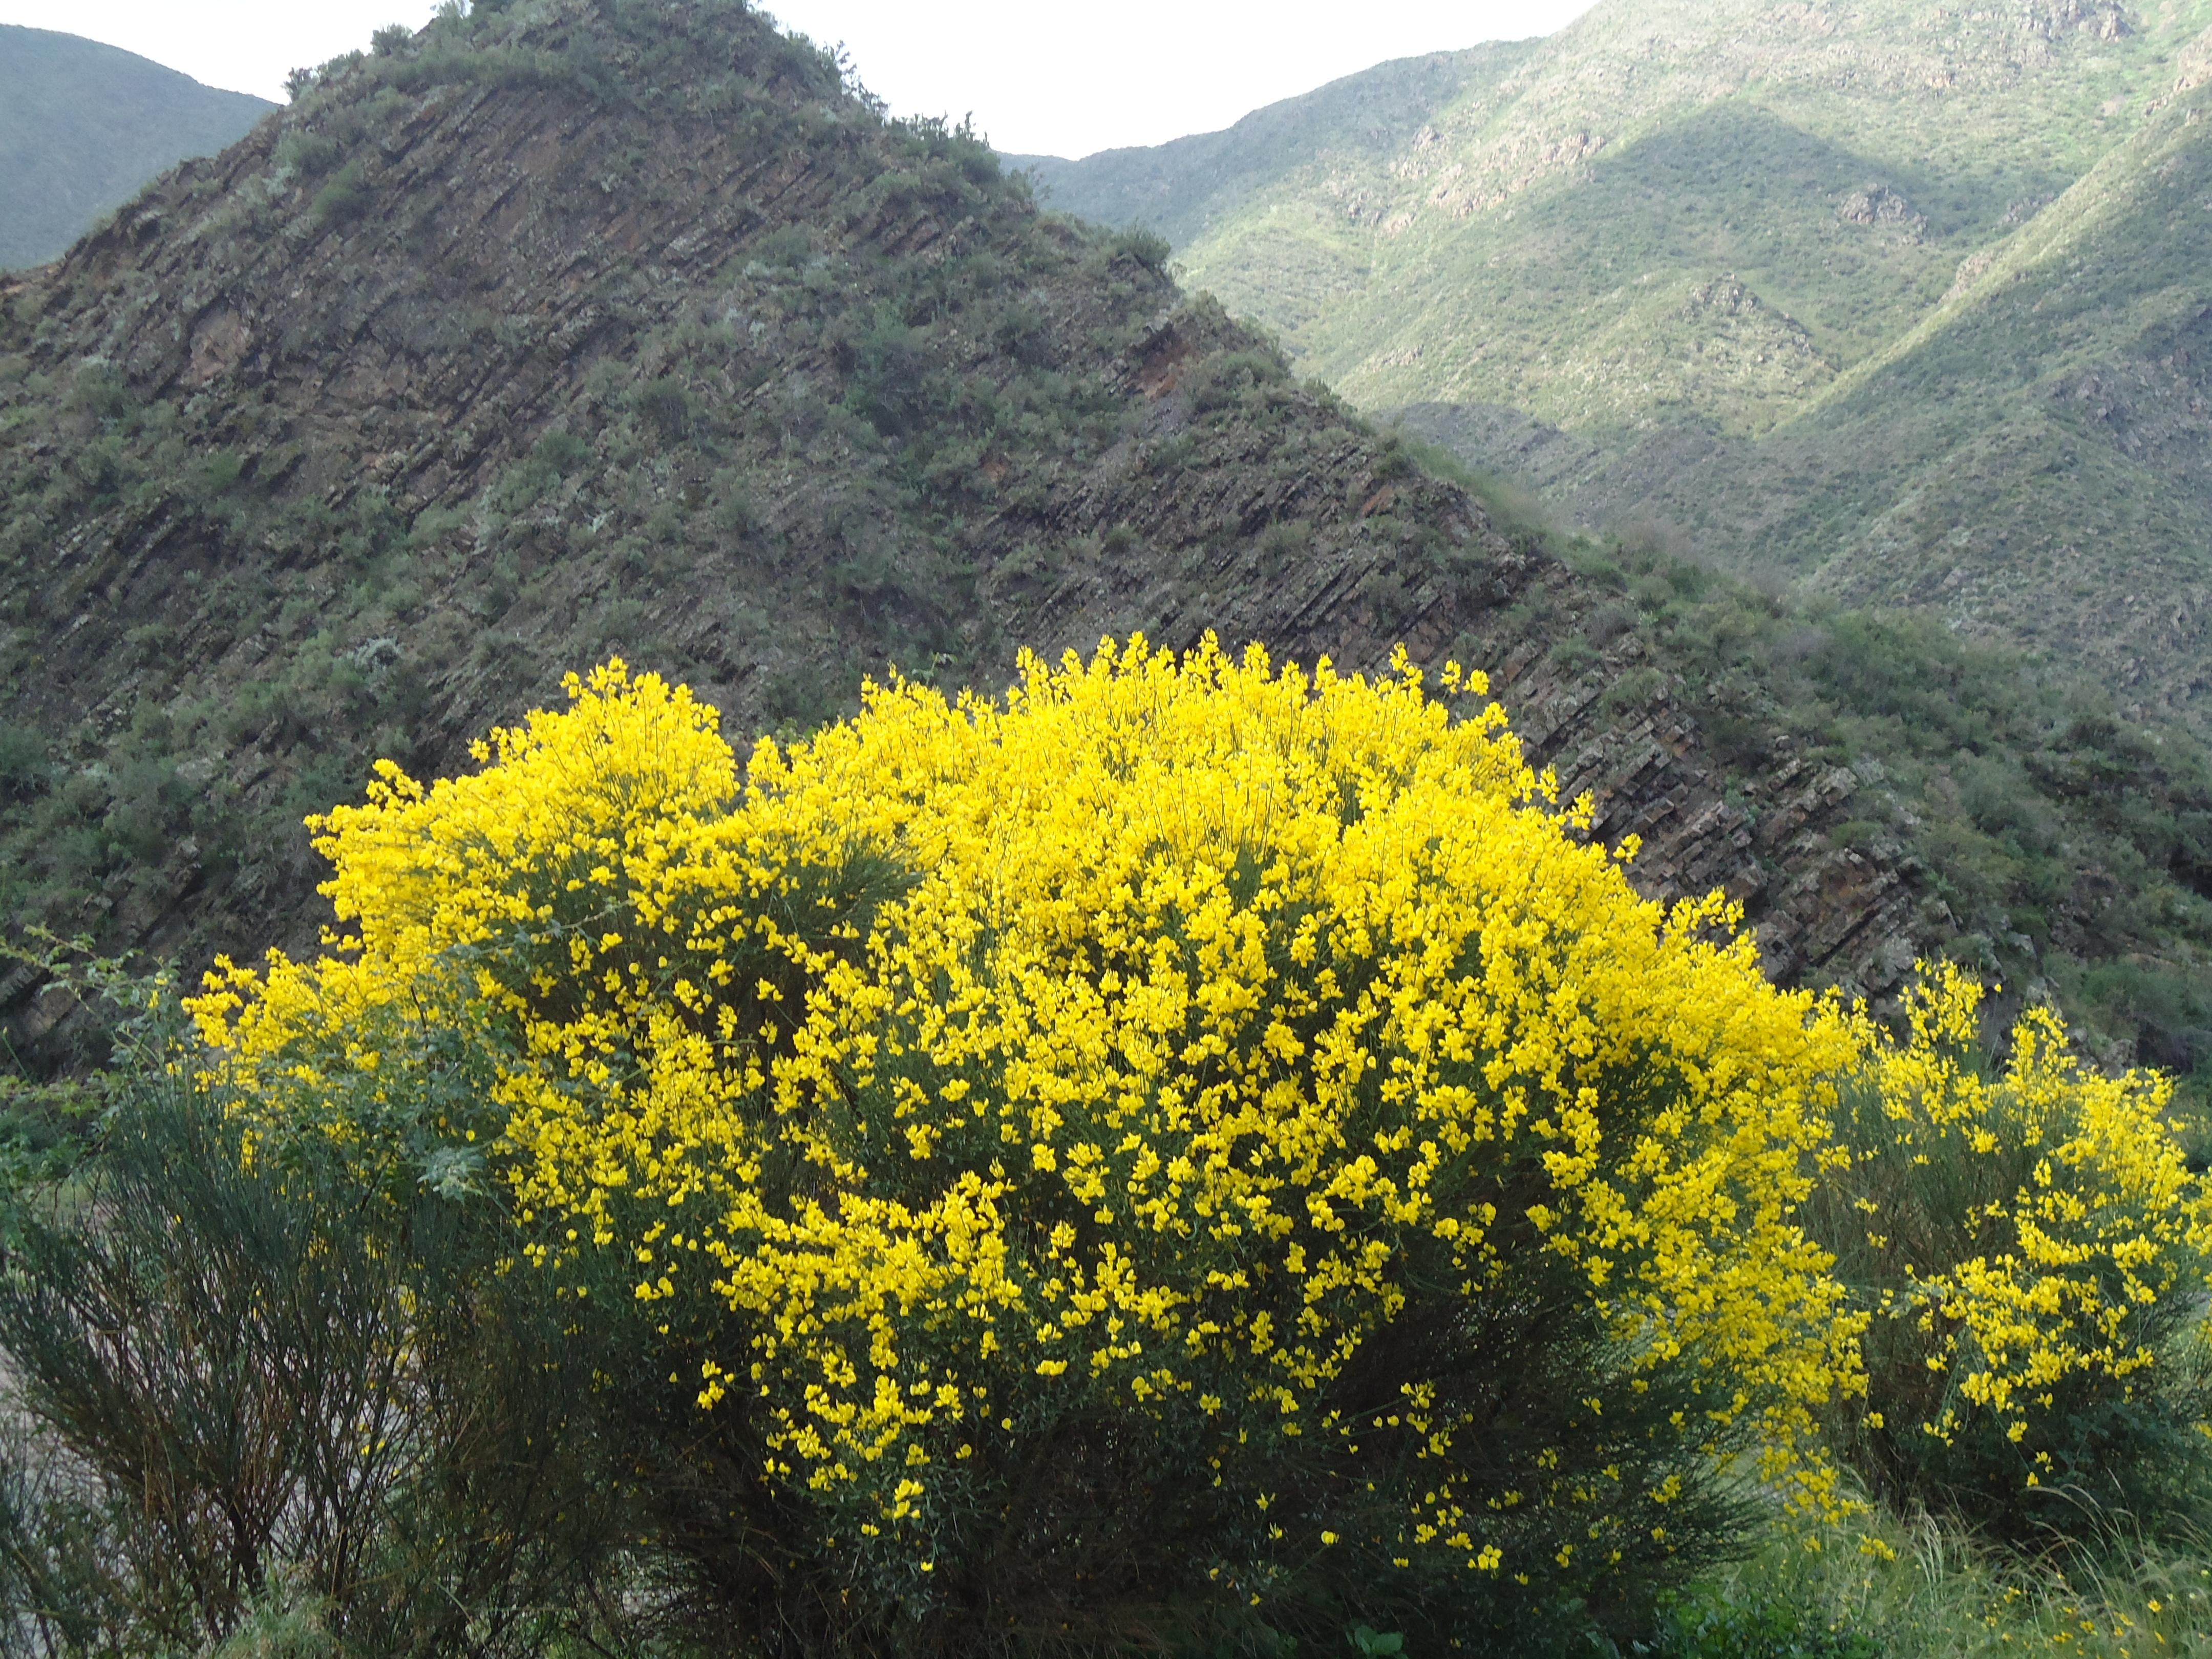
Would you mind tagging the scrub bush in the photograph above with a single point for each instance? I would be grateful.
(246, 1374)
(343, 199)
(1194, 1149)
(1717, 1625)
(2030, 1246)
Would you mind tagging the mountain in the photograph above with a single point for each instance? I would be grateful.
(84, 126)
(1187, 189)
(564, 329)
(1788, 281)
(2033, 460)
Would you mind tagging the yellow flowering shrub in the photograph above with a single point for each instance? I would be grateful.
(1192, 1132)
(2029, 1242)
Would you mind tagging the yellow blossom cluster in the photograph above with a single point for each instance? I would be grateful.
(2025, 1234)
(1179, 1038)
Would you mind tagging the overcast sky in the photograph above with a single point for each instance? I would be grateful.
(1039, 77)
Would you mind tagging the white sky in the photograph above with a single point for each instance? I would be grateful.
(1040, 78)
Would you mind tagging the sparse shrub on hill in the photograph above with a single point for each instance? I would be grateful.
(343, 199)
(1226, 379)
(286, 1384)
(1148, 248)
(24, 768)
(2032, 1249)
(1195, 1149)
(307, 155)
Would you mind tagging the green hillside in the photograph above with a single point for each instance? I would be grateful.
(552, 333)
(1722, 252)
(1184, 189)
(2034, 460)
(84, 126)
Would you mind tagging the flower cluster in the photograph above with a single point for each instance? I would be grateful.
(2025, 1237)
(1263, 1059)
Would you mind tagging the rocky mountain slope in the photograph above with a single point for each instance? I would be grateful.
(1697, 265)
(564, 330)
(83, 127)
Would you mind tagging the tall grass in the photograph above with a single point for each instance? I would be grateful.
(1914, 1587)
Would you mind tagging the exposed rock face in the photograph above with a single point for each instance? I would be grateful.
(550, 338)
(2101, 20)
(1878, 204)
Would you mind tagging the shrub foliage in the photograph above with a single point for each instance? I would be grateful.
(1193, 1141)
(244, 1374)
(2032, 1248)
(1194, 1155)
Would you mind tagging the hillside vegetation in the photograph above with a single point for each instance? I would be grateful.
(1187, 1148)
(1703, 266)
(557, 332)
(552, 333)
(84, 126)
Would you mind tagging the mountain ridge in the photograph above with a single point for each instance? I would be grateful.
(556, 333)
(1142, 185)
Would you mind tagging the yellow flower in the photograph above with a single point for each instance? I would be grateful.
(2057, 1202)
(1159, 1035)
